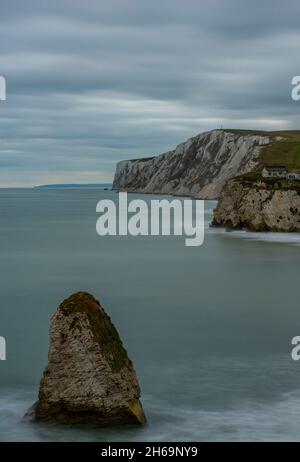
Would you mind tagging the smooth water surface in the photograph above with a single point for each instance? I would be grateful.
(208, 328)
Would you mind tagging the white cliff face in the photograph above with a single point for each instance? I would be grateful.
(199, 167)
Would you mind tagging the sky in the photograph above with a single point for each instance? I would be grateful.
(92, 82)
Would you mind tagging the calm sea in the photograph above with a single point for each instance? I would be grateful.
(208, 328)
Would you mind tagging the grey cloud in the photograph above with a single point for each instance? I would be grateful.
(90, 83)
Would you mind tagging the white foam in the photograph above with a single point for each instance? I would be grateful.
(281, 238)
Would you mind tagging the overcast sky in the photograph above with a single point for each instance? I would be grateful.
(91, 82)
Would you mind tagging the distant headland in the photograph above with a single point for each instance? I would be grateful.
(75, 186)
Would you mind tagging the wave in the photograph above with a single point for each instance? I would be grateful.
(280, 238)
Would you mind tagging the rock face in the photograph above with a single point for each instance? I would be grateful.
(89, 377)
(258, 207)
(199, 167)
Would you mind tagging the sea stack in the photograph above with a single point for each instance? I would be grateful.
(89, 377)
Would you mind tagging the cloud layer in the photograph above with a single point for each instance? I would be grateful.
(91, 83)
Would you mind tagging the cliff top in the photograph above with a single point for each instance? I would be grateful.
(271, 154)
(283, 133)
(283, 152)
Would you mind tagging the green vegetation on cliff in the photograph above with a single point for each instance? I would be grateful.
(279, 152)
(284, 152)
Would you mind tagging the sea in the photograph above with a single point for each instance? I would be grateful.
(208, 328)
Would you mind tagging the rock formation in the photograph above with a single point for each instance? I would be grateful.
(258, 206)
(89, 377)
(198, 168)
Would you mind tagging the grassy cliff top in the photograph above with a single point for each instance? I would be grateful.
(284, 133)
(278, 152)
(284, 152)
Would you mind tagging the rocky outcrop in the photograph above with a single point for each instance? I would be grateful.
(89, 377)
(198, 168)
(258, 206)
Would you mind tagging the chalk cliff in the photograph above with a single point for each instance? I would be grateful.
(89, 377)
(258, 206)
(198, 167)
